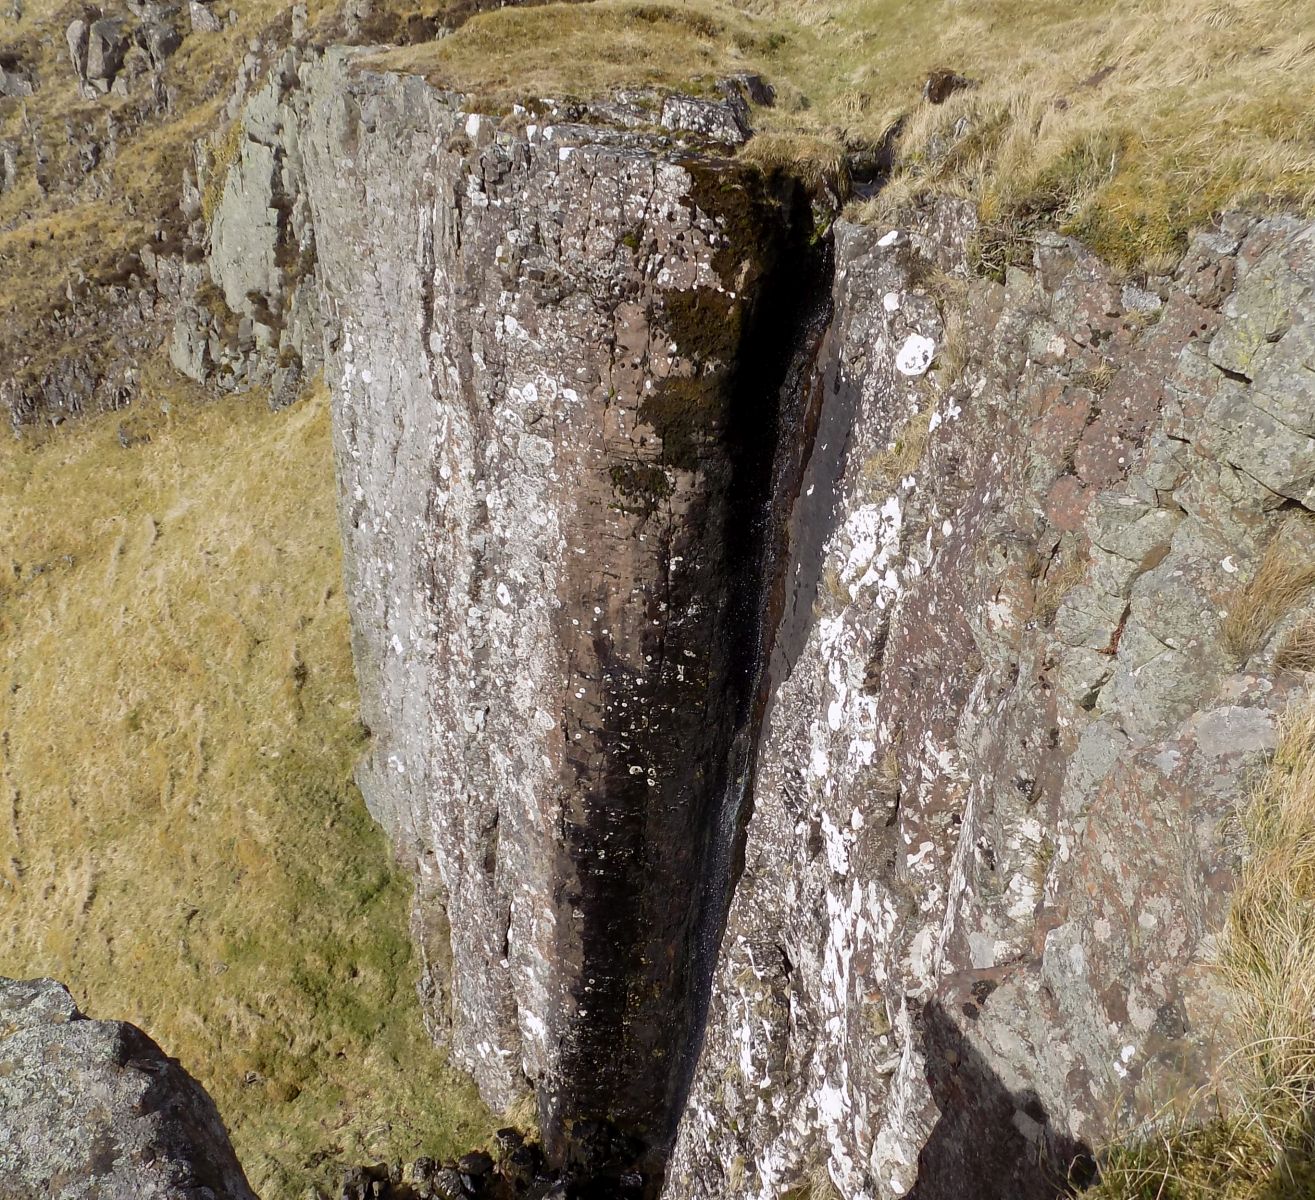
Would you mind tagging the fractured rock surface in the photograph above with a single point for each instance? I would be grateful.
(1001, 730)
(556, 352)
(649, 535)
(988, 852)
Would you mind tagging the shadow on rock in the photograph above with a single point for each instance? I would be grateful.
(600, 1167)
(990, 1143)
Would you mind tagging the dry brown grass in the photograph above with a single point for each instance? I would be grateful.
(1261, 1146)
(887, 467)
(1297, 650)
(585, 50)
(1269, 951)
(180, 838)
(1126, 123)
(817, 1185)
(221, 155)
(1060, 579)
(818, 161)
(1283, 579)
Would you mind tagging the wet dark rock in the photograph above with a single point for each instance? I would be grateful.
(753, 89)
(448, 1184)
(638, 356)
(474, 1168)
(368, 1183)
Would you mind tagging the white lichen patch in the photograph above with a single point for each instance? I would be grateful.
(915, 355)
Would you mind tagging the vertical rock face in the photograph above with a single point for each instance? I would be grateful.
(557, 353)
(95, 1109)
(938, 601)
(988, 848)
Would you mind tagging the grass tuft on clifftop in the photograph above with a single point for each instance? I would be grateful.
(1259, 1144)
(180, 838)
(1126, 123)
(584, 51)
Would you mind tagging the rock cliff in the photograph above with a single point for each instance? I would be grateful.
(988, 851)
(95, 1109)
(695, 549)
(656, 518)
(557, 352)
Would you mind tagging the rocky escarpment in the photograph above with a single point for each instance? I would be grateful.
(95, 1109)
(558, 348)
(557, 353)
(668, 555)
(989, 851)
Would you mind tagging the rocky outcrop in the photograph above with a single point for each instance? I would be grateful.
(95, 1109)
(251, 315)
(988, 851)
(556, 350)
(635, 550)
(893, 601)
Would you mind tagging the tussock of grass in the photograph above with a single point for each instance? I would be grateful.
(1283, 579)
(583, 51)
(817, 1185)
(1125, 122)
(818, 161)
(1262, 1146)
(1060, 579)
(180, 839)
(1297, 650)
(887, 467)
(222, 155)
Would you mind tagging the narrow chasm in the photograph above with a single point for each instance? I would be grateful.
(652, 862)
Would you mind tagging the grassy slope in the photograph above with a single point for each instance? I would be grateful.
(1126, 121)
(180, 840)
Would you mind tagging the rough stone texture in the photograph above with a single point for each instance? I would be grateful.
(251, 318)
(556, 353)
(94, 1110)
(988, 848)
(974, 694)
(15, 78)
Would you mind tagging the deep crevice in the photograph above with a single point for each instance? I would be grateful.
(636, 851)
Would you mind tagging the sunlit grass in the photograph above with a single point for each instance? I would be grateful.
(1124, 122)
(180, 839)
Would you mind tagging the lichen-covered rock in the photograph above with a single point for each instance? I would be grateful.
(94, 1109)
(945, 604)
(987, 857)
(556, 352)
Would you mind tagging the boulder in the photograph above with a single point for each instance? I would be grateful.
(15, 78)
(203, 16)
(106, 48)
(96, 1109)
